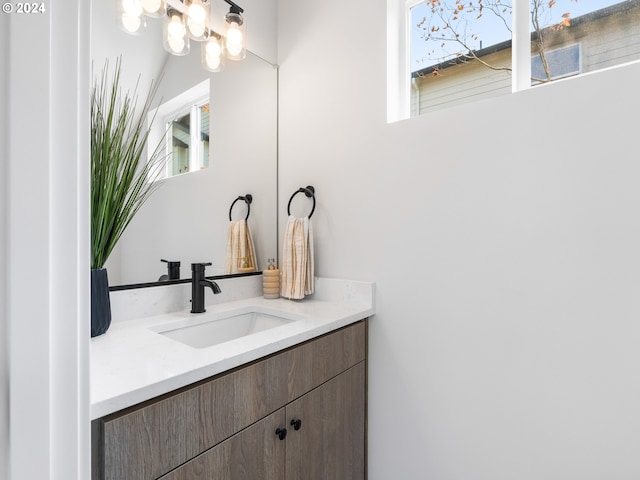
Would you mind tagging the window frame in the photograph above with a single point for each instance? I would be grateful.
(196, 153)
(187, 102)
(399, 54)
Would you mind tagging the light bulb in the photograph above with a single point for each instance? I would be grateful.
(213, 49)
(212, 58)
(154, 8)
(234, 35)
(234, 40)
(175, 36)
(176, 44)
(132, 7)
(197, 29)
(197, 13)
(213, 61)
(197, 20)
(131, 23)
(151, 5)
(234, 49)
(175, 28)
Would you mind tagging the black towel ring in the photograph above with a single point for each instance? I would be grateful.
(310, 192)
(247, 199)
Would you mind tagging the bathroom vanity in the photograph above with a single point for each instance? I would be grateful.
(284, 403)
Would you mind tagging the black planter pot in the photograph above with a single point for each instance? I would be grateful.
(100, 304)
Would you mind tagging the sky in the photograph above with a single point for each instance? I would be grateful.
(489, 29)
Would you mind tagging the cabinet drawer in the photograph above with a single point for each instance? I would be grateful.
(147, 441)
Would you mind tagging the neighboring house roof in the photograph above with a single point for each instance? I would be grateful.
(582, 19)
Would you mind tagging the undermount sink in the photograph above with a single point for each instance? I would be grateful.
(208, 329)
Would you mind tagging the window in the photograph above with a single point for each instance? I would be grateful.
(460, 50)
(562, 62)
(185, 121)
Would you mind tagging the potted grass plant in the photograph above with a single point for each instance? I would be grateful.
(123, 176)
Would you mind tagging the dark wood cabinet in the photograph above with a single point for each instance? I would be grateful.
(225, 427)
(330, 443)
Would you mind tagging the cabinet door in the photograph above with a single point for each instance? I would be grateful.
(330, 443)
(143, 443)
(254, 453)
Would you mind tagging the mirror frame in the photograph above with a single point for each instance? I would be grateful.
(134, 286)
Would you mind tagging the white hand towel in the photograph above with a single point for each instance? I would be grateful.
(297, 265)
(240, 249)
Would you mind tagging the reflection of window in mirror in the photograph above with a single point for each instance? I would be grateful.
(188, 140)
(185, 119)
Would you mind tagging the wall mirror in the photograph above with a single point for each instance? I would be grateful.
(187, 219)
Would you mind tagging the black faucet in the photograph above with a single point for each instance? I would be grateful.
(198, 282)
(173, 271)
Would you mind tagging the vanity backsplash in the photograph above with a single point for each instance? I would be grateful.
(157, 300)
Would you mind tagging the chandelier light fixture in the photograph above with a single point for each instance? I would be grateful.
(186, 20)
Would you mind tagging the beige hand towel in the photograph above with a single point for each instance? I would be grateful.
(241, 253)
(297, 265)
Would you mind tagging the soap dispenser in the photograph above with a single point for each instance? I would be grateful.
(271, 280)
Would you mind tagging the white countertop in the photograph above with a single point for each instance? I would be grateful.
(131, 363)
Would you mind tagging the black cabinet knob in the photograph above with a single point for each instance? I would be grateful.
(281, 433)
(296, 423)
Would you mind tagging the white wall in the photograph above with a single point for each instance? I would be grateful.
(503, 237)
(46, 228)
(4, 366)
(142, 55)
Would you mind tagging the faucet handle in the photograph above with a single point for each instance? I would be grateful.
(199, 267)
